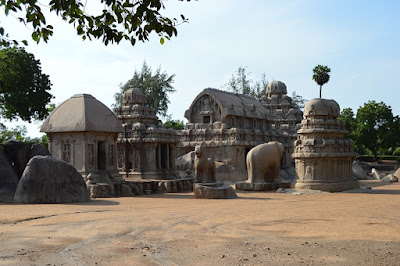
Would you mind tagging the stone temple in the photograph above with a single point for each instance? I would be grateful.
(323, 155)
(83, 132)
(231, 124)
(146, 150)
(285, 115)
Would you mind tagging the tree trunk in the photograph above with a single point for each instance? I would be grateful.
(320, 90)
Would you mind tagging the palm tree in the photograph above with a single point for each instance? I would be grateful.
(321, 76)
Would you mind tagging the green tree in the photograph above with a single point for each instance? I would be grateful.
(348, 117)
(23, 86)
(174, 124)
(321, 76)
(241, 84)
(130, 20)
(298, 100)
(155, 86)
(376, 127)
(18, 133)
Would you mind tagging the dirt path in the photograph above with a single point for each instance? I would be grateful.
(176, 229)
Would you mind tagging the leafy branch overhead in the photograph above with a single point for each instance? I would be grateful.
(129, 20)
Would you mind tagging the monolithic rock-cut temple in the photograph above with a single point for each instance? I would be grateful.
(285, 115)
(145, 150)
(323, 155)
(83, 132)
(231, 124)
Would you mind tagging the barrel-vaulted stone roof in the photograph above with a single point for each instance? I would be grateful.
(81, 112)
(233, 104)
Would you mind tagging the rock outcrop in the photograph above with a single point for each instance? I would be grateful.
(8, 178)
(18, 152)
(47, 179)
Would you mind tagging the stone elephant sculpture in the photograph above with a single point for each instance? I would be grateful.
(263, 162)
(204, 167)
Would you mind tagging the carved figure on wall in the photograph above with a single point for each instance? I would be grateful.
(110, 154)
(264, 161)
(67, 152)
(121, 160)
(204, 167)
(90, 153)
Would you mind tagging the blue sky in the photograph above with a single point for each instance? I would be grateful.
(358, 40)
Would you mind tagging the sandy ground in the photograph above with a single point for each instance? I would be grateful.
(176, 229)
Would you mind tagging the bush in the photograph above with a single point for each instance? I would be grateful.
(396, 151)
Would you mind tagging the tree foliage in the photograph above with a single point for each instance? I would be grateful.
(321, 76)
(298, 100)
(241, 84)
(174, 124)
(155, 86)
(130, 20)
(23, 86)
(374, 128)
(17, 133)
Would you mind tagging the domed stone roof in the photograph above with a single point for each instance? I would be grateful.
(275, 87)
(322, 107)
(134, 96)
(81, 112)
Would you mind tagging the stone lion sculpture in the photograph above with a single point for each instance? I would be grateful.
(264, 161)
(204, 166)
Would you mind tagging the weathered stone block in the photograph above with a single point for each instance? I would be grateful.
(214, 191)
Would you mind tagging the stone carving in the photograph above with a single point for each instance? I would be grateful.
(47, 179)
(231, 124)
(204, 166)
(121, 159)
(91, 154)
(67, 152)
(206, 185)
(110, 154)
(263, 162)
(263, 167)
(323, 157)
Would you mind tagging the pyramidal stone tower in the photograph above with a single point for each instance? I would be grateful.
(323, 156)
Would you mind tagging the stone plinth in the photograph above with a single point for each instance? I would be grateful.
(214, 191)
(323, 155)
(247, 186)
(140, 187)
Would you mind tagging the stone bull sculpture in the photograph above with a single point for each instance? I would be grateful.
(263, 162)
(204, 166)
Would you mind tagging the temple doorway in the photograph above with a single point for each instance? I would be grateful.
(101, 155)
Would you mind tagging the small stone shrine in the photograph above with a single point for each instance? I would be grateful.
(146, 150)
(82, 131)
(323, 156)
